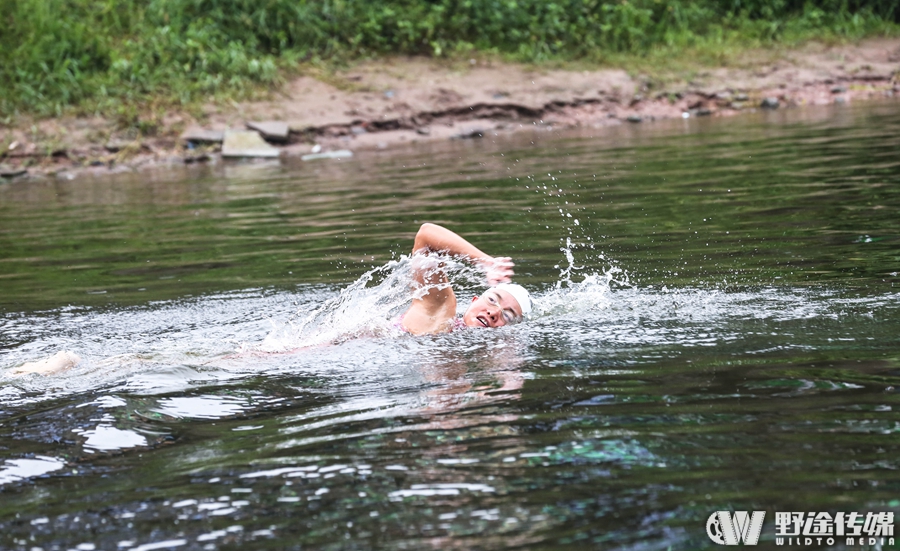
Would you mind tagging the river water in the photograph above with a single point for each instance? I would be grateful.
(717, 321)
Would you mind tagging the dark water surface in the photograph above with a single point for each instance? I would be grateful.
(717, 328)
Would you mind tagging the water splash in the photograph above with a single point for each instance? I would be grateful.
(581, 257)
(357, 309)
(178, 345)
(371, 305)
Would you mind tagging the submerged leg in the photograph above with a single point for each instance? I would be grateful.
(57, 363)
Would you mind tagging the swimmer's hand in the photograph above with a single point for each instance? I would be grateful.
(498, 269)
(57, 363)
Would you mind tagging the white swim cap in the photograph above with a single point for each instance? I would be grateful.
(519, 293)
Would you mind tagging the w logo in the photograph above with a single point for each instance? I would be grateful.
(726, 529)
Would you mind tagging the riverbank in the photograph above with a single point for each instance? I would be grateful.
(392, 102)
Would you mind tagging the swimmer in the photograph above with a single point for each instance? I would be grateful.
(432, 311)
(435, 311)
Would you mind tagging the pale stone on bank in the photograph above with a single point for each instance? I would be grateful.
(275, 131)
(246, 143)
(10, 172)
(200, 135)
(339, 154)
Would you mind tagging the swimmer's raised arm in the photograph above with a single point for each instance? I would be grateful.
(434, 238)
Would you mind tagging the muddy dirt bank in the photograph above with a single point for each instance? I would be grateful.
(388, 103)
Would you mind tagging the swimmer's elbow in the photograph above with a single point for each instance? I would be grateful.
(428, 229)
(425, 237)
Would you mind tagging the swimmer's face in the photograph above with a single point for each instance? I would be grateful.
(494, 308)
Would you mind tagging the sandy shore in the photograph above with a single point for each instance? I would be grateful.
(392, 102)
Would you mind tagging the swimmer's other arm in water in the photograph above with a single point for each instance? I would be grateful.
(434, 311)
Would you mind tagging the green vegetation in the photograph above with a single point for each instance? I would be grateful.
(110, 56)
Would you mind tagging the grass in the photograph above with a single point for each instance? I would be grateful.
(127, 58)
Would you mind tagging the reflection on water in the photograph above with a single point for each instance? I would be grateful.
(715, 328)
(106, 438)
(200, 407)
(22, 469)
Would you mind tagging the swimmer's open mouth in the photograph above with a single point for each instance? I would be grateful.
(482, 321)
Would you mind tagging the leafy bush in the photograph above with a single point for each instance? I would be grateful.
(96, 54)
